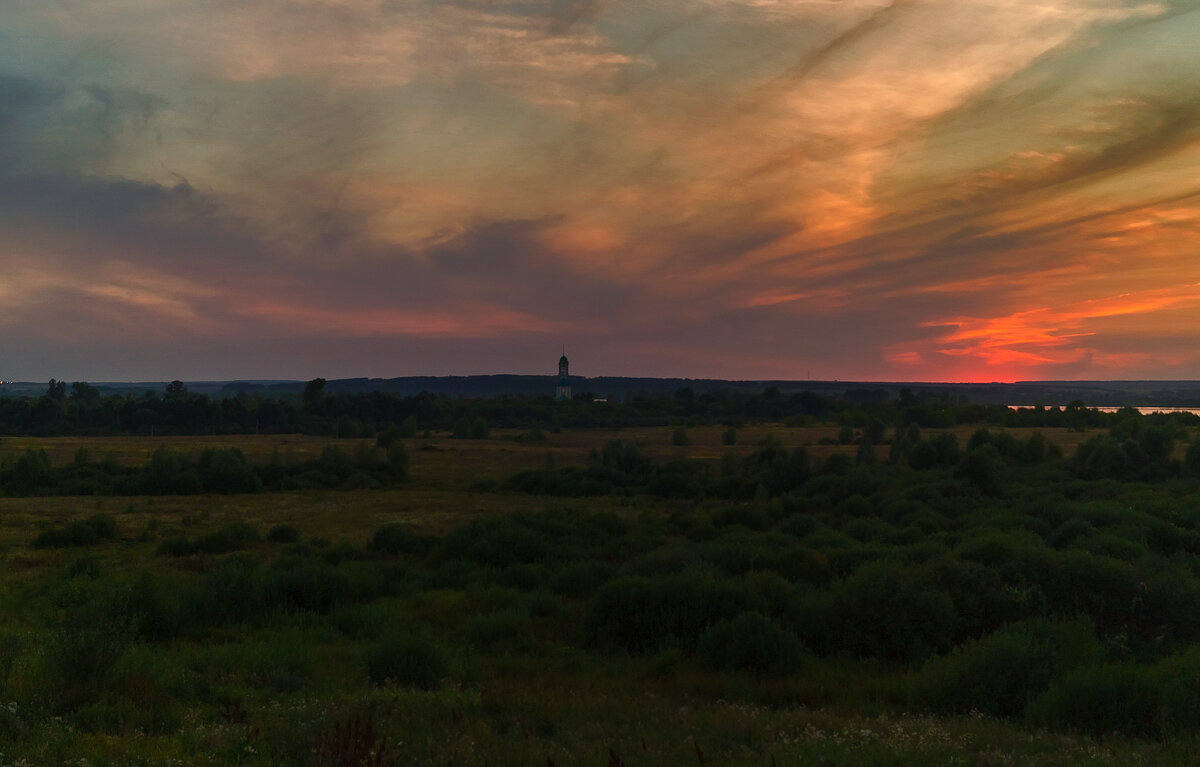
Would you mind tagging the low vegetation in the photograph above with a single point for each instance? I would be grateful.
(749, 595)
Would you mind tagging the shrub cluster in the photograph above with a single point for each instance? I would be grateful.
(96, 528)
(214, 470)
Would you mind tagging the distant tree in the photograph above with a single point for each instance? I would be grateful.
(865, 454)
(479, 428)
(387, 437)
(462, 428)
(982, 467)
(1157, 442)
(679, 437)
(875, 431)
(398, 461)
(1191, 459)
(408, 427)
(49, 409)
(56, 390)
(84, 392)
(175, 389)
(31, 472)
(1075, 415)
(314, 392)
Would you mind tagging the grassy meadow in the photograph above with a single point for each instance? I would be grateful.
(602, 596)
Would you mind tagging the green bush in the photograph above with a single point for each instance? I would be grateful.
(1102, 701)
(748, 515)
(580, 579)
(388, 437)
(523, 577)
(169, 473)
(398, 462)
(98, 527)
(1112, 546)
(643, 614)
(334, 465)
(855, 506)
(542, 603)
(799, 525)
(398, 538)
(742, 552)
(177, 546)
(408, 427)
(673, 557)
(503, 630)
(30, 473)
(1179, 677)
(1000, 673)
(498, 542)
(358, 621)
(1066, 533)
(888, 611)
(838, 465)
(941, 449)
(140, 696)
(276, 663)
(982, 467)
(342, 551)
(302, 584)
(229, 537)
(74, 534)
(750, 642)
(407, 658)
(76, 663)
(103, 525)
(152, 608)
(462, 428)
(283, 534)
(232, 591)
(1191, 459)
(224, 470)
(152, 714)
(88, 567)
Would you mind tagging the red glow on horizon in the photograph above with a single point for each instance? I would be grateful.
(1035, 343)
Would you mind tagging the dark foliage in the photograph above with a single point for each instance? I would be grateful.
(645, 614)
(409, 658)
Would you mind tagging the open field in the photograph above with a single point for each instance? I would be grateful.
(456, 461)
(843, 617)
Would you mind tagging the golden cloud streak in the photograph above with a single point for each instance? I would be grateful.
(473, 321)
(1044, 336)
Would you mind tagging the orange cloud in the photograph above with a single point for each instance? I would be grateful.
(1042, 337)
(462, 322)
(812, 300)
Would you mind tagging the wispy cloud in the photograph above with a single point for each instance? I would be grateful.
(738, 187)
(1045, 337)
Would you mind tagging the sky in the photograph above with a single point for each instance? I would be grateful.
(918, 190)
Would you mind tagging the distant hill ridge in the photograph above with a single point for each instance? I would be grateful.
(1050, 393)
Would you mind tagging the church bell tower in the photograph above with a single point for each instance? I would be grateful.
(563, 390)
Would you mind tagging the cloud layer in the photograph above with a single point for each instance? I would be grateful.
(908, 190)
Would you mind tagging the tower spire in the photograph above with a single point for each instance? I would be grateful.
(563, 390)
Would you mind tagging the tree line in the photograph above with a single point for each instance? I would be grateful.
(81, 409)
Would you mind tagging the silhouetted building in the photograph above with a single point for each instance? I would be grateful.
(563, 390)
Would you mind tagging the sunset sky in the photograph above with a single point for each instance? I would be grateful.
(950, 190)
